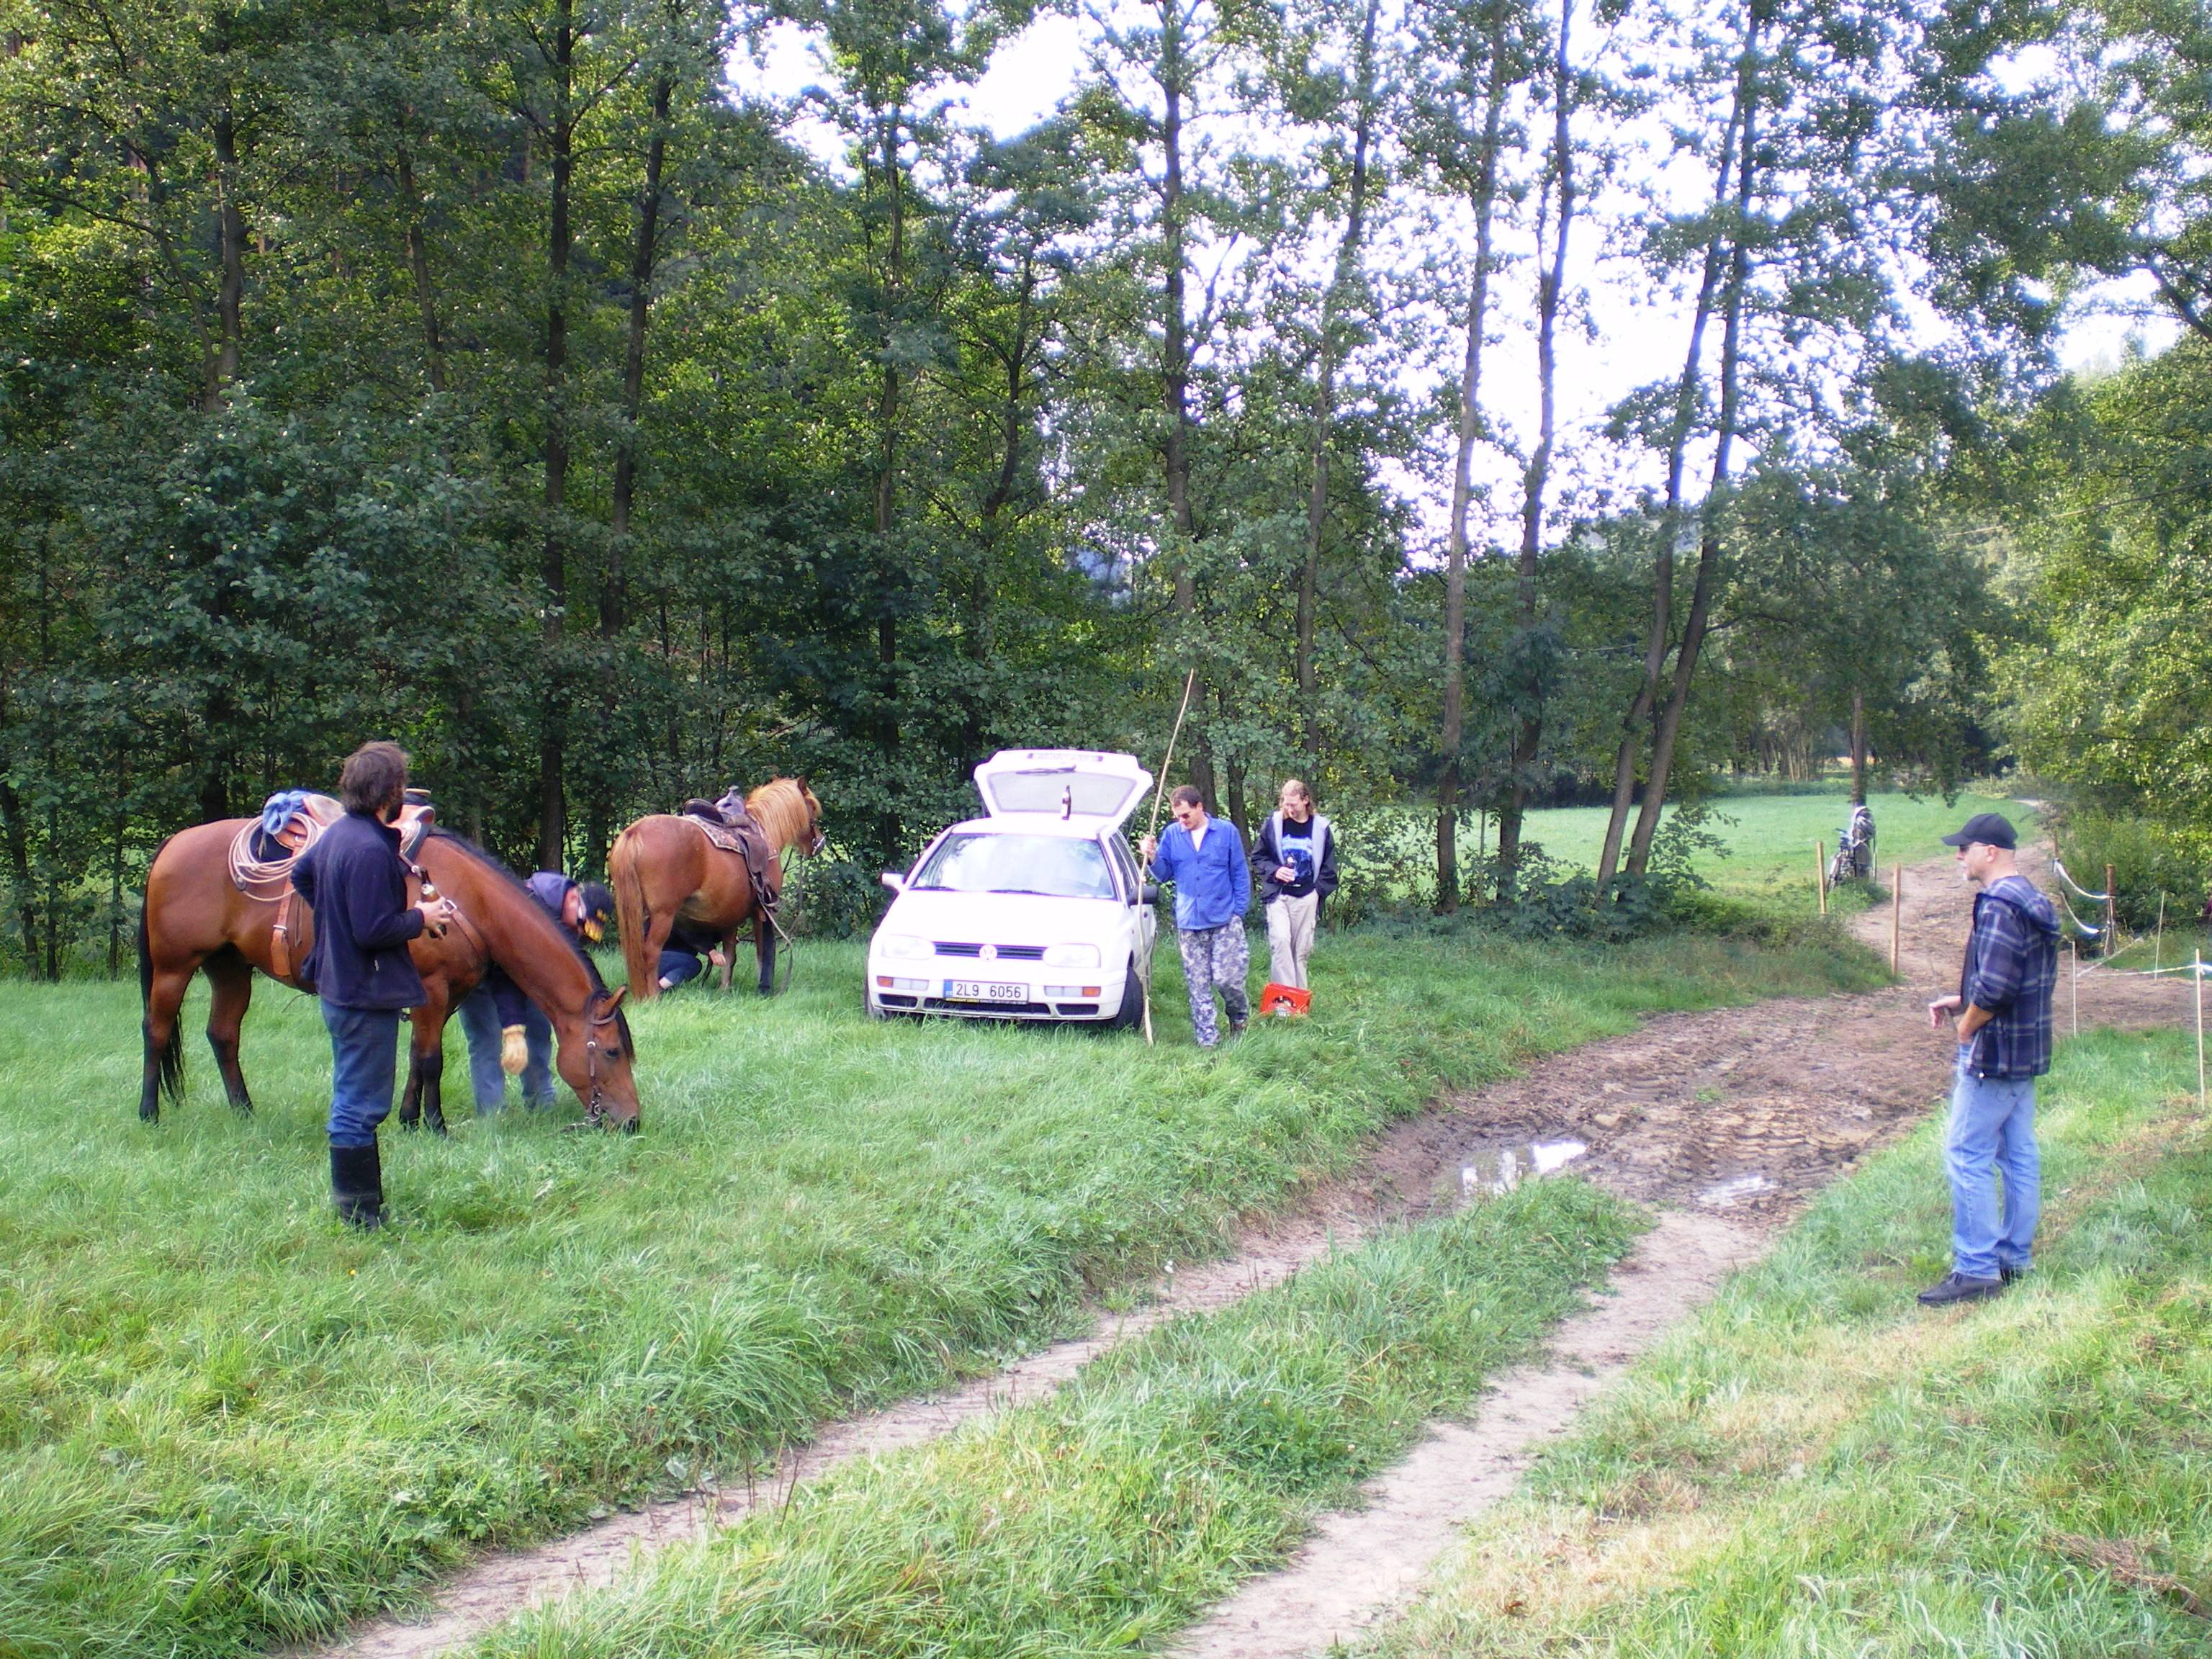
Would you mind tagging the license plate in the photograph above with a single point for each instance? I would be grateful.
(978, 990)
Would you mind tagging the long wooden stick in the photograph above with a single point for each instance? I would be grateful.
(1896, 914)
(1159, 790)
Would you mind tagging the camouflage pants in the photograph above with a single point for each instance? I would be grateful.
(1215, 957)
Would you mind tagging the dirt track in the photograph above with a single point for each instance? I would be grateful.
(1731, 1118)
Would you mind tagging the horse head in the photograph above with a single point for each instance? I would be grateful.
(607, 1086)
(791, 813)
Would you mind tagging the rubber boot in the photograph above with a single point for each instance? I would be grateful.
(357, 1185)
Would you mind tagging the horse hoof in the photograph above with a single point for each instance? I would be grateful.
(149, 1115)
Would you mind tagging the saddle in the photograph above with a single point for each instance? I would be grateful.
(261, 868)
(727, 825)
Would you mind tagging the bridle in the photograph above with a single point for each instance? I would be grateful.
(600, 1010)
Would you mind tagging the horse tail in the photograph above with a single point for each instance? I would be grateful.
(172, 1057)
(631, 915)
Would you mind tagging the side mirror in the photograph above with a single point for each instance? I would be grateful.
(895, 881)
(1151, 892)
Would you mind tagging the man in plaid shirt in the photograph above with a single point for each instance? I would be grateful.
(2001, 1012)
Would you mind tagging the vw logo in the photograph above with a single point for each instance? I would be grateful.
(989, 953)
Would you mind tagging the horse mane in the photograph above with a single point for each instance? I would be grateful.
(536, 911)
(779, 806)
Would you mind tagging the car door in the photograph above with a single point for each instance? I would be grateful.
(1142, 919)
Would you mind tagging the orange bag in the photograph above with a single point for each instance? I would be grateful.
(1283, 999)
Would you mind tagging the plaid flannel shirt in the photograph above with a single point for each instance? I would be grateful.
(2011, 969)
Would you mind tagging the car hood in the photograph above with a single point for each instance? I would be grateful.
(1002, 918)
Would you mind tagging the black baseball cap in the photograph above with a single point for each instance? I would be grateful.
(598, 906)
(1990, 829)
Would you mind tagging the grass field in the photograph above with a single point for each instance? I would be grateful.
(225, 1421)
(1818, 1465)
(1102, 1519)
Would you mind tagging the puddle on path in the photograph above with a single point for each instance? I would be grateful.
(1494, 1169)
(1735, 1190)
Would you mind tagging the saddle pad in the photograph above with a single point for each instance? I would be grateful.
(722, 835)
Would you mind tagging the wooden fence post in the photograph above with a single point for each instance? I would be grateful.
(2112, 911)
(1820, 875)
(1896, 914)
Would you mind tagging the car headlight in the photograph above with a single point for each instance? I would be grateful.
(1071, 955)
(902, 945)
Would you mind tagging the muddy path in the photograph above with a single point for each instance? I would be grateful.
(1728, 1119)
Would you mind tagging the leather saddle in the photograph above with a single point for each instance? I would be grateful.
(270, 878)
(727, 825)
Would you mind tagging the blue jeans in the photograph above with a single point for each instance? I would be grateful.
(480, 1020)
(364, 1064)
(678, 966)
(1991, 1133)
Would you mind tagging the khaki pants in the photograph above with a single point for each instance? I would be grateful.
(1291, 938)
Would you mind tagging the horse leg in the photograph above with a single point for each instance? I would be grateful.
(230, 979)
(165, 1057)
(764, 948)
(426, 1071)
(729, 957)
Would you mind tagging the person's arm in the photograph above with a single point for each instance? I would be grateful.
(1240, 872)
(303, 874)
(1162, 860)
(375, 923)
(1262, 865)
(1325, 873)
(2000, 964)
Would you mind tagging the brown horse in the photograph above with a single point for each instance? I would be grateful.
(196, 920)
(664, 868)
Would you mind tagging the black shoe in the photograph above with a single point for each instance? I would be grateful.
(1236, 1027)
(1957, 1287)
(2013, 1275)
(357, 1186)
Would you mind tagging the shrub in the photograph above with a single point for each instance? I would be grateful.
(2148, 859)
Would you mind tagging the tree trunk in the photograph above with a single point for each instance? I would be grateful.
(1551, 293)
(1347, 265)
(552, 800)
(418, 266)
(230, 290)
(1635, 720)
(1709, 531)
(1858, 747)
(1176, 366)
(1470, 429)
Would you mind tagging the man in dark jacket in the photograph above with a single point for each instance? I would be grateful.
(499, 1019)
(354, 880)
(2001, 1014)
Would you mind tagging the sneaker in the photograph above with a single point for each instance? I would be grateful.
(1957, 1287)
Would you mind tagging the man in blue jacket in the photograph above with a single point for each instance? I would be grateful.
(1204, 857)
(354, 880)
(2001, 1014)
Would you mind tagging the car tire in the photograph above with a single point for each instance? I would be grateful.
(1131, 1013)
(868, 1004)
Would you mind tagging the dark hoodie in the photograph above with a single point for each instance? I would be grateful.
(2012, 967)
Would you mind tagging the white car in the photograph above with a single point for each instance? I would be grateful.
(1038, 911)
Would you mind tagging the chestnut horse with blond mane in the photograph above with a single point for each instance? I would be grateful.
(664, 869)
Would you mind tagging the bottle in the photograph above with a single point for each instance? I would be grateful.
(435, 929)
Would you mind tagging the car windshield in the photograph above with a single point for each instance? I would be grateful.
(1057, 866)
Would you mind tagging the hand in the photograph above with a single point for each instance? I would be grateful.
(1284, 874)
(1939, 1009)
(1149, 846)
(717, 958)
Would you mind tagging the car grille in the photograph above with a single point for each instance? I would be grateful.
(1005, 952)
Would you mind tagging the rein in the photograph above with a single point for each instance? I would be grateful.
(596, 1018)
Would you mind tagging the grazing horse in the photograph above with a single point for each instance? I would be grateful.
(664, 868)
(195, 919)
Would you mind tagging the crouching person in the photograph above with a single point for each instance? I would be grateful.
(354, 882)
(506, 1031)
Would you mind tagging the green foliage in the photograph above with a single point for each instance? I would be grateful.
(2155, 869)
